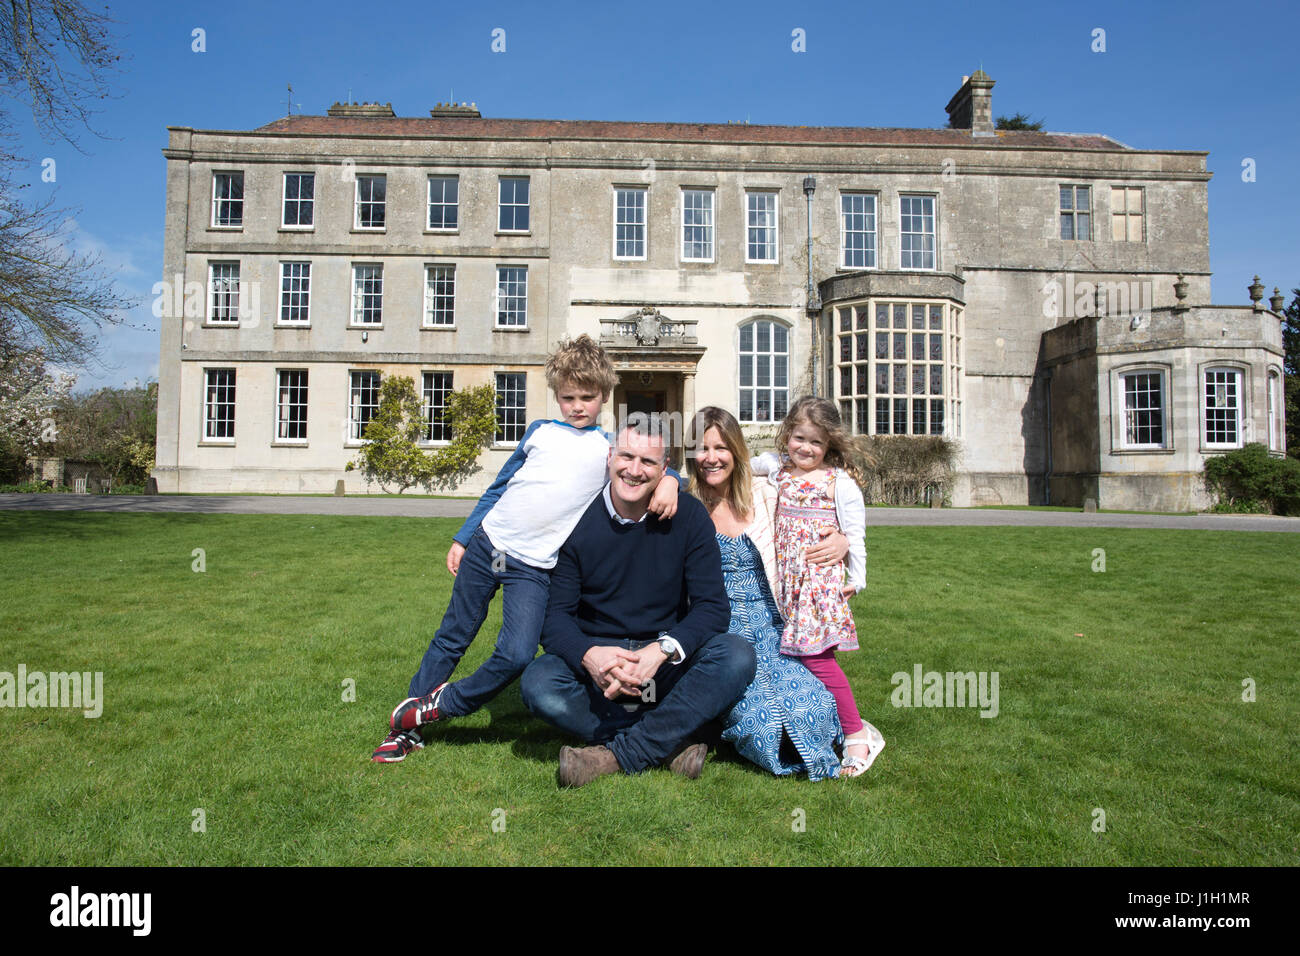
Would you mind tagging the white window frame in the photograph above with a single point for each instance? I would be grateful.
(356, 389)
(286, 293)
(1127, 425)
(358, 295)
(444, 272)
(933, 234)
(212, 402)
(1276, 398)
(286, 399)
(231, 176)
(896, 366)
(428, 392)
(872, 251)
(309, 204)
(710, 226)
(1128, 215)
(644, 239)
(231, 302)
(520, 426)
(502, 205)
(358, 202)
(428, 218)
(1240, 409)
(750, 360)
(1074, 212)
(498, 297)
(774, 228)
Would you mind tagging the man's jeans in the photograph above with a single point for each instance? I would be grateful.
(523, 607)
(686, 696)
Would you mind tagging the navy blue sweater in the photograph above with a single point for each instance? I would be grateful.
(614, 581)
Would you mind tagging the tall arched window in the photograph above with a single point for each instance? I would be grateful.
(764, 371)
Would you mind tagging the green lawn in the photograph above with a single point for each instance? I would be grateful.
(1119, 691)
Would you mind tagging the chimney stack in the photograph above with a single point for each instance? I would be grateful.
(445, 110)
(971, 107)
(383, 110)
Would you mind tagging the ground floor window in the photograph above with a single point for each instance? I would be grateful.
(512, 420)
(764, 372)
(1274, 410)
(291, 405)
(898, 366)
(1221, 407)
(437, 386)
(1144, 409)
(219, 404)
(363, 403)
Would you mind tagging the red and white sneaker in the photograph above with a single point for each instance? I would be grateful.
(417, 711)
(396, 746)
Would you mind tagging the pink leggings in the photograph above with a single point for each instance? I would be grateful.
(828, 671)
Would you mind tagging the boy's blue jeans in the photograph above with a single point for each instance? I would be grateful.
(523, 608)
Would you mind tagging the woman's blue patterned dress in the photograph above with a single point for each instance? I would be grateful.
(784, 695)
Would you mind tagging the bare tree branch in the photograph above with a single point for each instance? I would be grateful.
(57, 57)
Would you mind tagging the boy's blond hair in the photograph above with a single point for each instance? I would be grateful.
(583, 363)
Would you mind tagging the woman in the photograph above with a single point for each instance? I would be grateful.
(784, 700)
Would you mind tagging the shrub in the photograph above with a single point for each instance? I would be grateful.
(1249, 479)
(392, 453)
(905, 469)
(30, 488)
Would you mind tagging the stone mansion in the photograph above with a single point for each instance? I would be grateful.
(1042, 298)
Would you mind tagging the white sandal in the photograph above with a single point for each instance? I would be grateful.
(868, 736)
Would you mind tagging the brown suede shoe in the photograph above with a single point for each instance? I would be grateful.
(581, 765)
(690, 761)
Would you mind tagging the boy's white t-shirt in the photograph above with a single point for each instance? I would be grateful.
(560, 470)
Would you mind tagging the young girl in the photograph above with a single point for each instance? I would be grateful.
(816, 490)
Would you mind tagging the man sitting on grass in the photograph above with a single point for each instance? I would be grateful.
(510, 541)
(638, 613)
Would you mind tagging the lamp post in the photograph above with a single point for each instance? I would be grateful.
(814, 306)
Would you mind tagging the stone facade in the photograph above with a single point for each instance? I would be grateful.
(1091, 366)
(938, 285)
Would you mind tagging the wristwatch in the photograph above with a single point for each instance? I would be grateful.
(668, 646)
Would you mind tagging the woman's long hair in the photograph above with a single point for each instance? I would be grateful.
(821, 414)
(738, 493)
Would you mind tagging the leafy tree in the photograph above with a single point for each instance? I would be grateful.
(116, 428)
(1293, 416)
(1019, 121)
(1291, 334)
(56, 56)
(392, 453)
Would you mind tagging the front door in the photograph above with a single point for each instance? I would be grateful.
(647, 401)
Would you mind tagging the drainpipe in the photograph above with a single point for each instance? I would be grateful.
(1047, 478)
(814, 306)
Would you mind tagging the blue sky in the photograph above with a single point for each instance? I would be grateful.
(1197, 75)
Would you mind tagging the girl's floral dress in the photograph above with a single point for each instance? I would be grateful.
(816, 613)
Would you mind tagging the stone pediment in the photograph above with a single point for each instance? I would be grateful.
(648, 328)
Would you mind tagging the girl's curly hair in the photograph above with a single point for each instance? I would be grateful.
(822, 414)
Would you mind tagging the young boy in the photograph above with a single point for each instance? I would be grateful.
(511, 540)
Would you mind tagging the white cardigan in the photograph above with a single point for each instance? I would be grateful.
(850, 510)
(762, 530)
